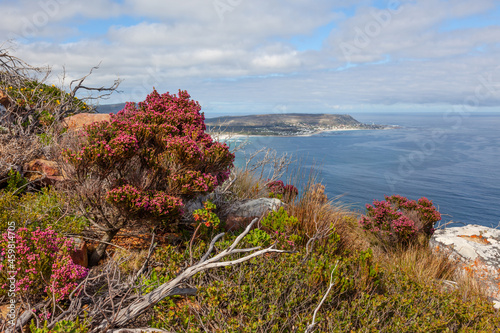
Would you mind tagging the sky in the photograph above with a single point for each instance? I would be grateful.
(270, 56)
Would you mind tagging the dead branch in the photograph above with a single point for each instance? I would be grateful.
(313, 323)
(32, 110)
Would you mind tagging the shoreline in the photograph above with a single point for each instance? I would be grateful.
(234, 136)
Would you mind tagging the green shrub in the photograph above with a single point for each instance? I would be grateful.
(64, 326)
(40, 209)
(46, 104)
(16, 182)
(410, 306)
(274, 293)
(258, 237)
(280, 293)
(282, 228)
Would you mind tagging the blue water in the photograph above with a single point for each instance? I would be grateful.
(451, 158)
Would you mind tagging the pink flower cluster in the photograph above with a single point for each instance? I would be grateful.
(194, 182)
(399, 219)
(104, 152)
(279, 189)
(43, 263)
(137, 202)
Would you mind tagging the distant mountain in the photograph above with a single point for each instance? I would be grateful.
(110, 108)
(286, 124)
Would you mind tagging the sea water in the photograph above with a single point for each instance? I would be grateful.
(451, 158)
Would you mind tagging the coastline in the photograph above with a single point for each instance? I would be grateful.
(234, 136)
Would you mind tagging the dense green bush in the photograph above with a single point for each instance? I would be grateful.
(39, 106)
(282, 228)
(40, 209)
(280, 293)
(63, 326)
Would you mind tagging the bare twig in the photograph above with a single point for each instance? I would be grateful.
(313, 323)
(191, 244)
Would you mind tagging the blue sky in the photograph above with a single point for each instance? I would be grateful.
(242, 56)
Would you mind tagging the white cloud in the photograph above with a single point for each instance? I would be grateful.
(242, 57)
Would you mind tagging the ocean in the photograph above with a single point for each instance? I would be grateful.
(451, 158)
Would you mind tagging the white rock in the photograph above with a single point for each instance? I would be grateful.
(256, 207)
(478, 248)
(471, 242)
(241, 214)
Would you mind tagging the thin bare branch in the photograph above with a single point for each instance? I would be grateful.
(313, 323)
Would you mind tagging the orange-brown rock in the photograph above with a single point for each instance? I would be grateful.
(4, 99)
(40, 168)
(80, 255)
(234, 222)
(78, 121)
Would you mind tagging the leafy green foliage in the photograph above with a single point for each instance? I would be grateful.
(63, 326)
(258, 237)
(282, 227)
(206, 215)
(40, 209)
(280, 293)
(45, 105)
(16, 181)
(274, 293)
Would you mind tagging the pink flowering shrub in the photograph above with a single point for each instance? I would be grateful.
(281, 191)
(142, 164)
(398, 220)
(40, 263)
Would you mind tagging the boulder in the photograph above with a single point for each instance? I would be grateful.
(40, 168)
(193, 204)
(478, 249)
(4, 99)
(78, 121)
(243, 213)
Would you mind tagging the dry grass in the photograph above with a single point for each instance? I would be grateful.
(421, 263)
(317, 216)
(468, 283)
(249, 181)
(16, 151)
(425, 266)
(130, 261)
(247, 185)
